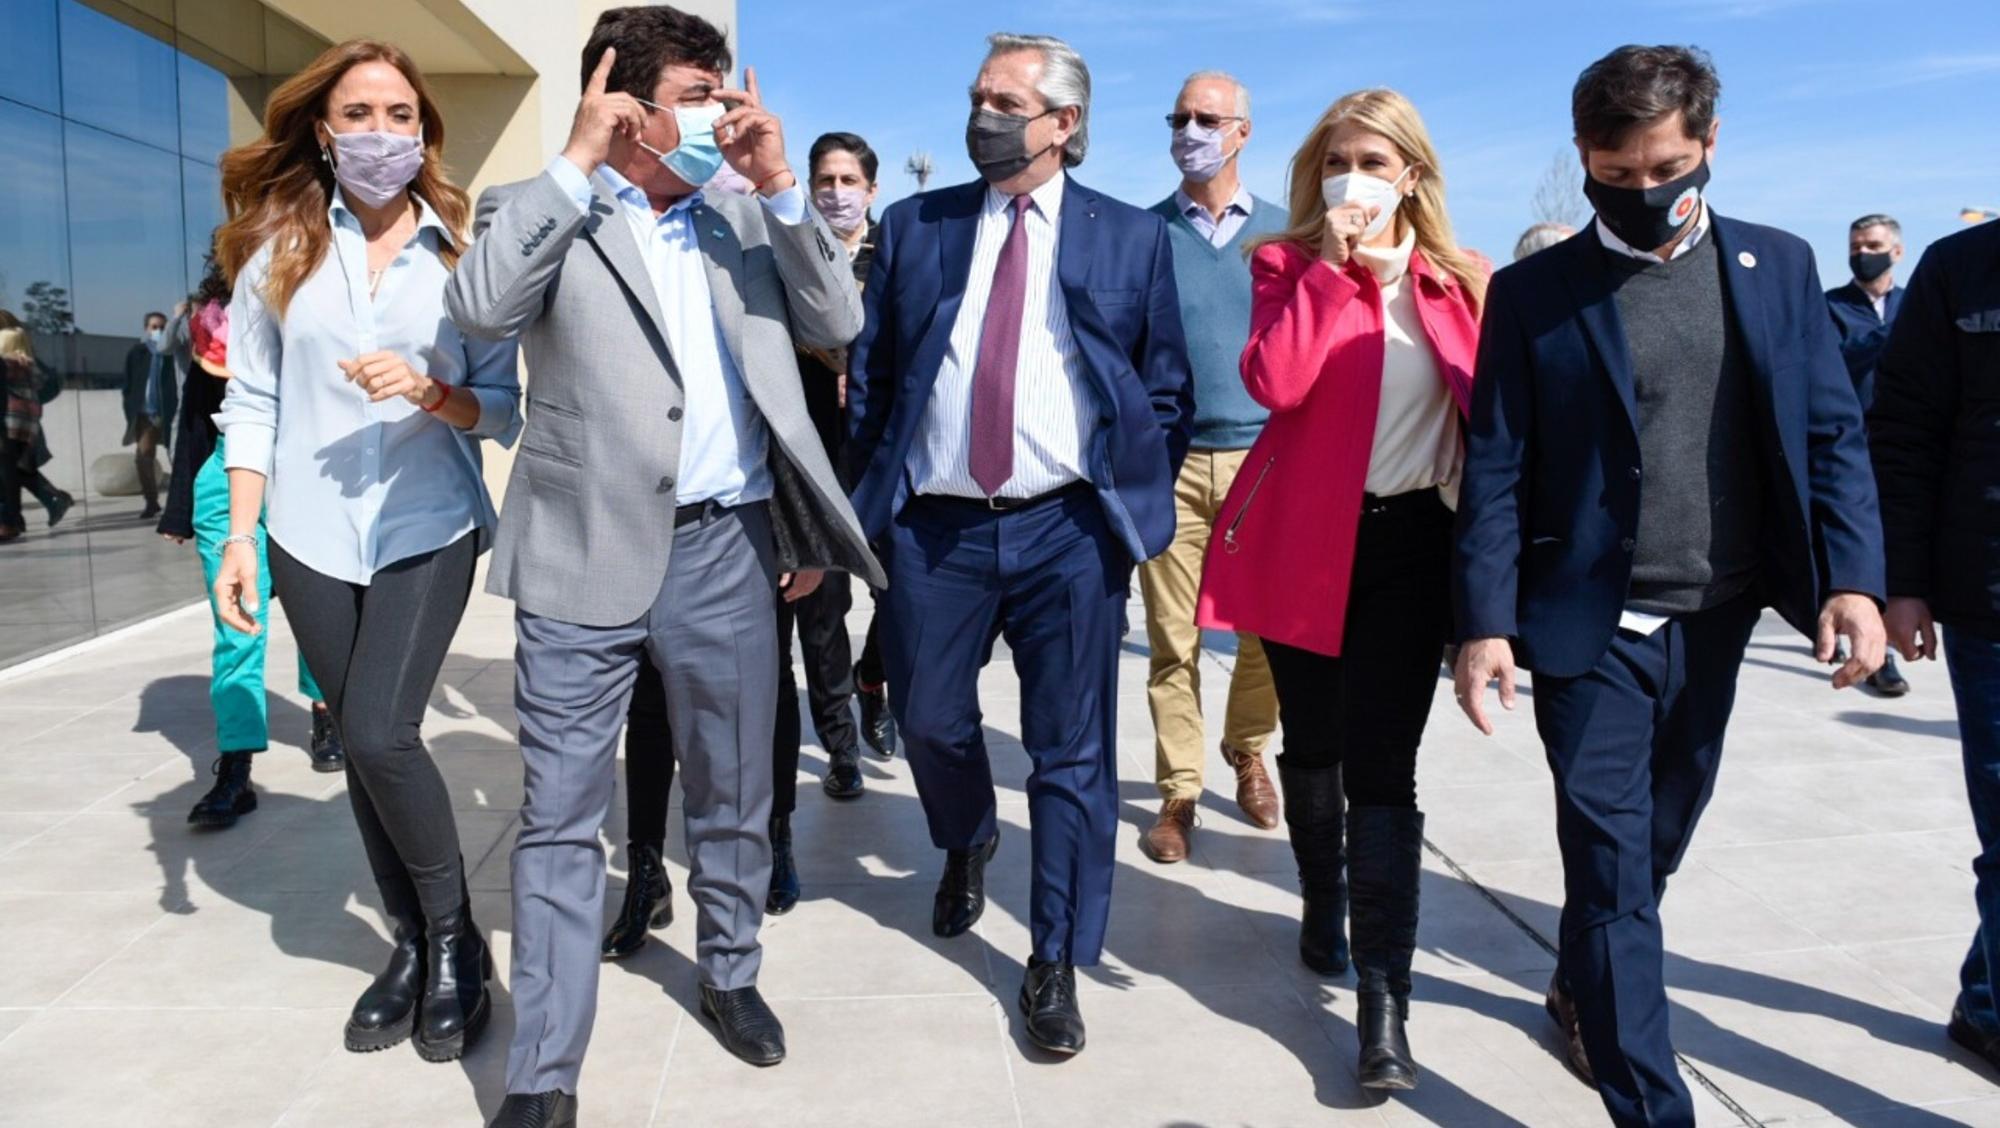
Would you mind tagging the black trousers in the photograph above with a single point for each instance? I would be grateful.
(869, 671)
(821, 622)
(376, 650)
(1365, 710)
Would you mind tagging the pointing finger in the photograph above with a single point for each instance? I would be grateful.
(602, 74)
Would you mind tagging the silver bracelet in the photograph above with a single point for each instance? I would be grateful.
(240, 538)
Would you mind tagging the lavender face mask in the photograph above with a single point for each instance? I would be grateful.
(374, 168)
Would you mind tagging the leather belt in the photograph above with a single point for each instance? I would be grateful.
(1009, 504)
(1414, 501)
(689, 514)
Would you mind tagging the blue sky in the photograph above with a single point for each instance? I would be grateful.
(1830, 109)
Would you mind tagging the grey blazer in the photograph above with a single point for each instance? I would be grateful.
(588, 524)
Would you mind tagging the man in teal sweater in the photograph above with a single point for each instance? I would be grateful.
(1209, 219)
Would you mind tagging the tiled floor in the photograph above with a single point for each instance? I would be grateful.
(153, 976)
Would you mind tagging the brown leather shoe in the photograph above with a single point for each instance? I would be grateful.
(1167, 842)
(1563, 1009)
(1254, 792)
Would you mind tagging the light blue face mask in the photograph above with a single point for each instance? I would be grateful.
(698, 157)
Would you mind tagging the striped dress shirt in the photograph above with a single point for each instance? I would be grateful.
(1053, 408)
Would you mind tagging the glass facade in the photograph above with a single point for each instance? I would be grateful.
(113, 116)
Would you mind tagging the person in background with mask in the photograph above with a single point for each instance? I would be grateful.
(355, 409)
(1541, 237)
(1663, 441)
(150, 395)
(670, 490)
(1210, 218)
(1864, 311)
(1019, 404)
(1336, 540)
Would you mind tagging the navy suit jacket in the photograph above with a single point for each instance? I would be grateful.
(1550, 503)
(1117, 276)
(1862, 334)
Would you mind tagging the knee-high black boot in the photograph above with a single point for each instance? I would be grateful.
(1385, 863)
(1315, 816)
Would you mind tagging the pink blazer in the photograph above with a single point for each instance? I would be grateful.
(1282, 553)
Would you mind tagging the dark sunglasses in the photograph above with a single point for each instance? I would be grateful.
(1206, 121)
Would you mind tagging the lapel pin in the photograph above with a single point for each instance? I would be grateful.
(1747, 259)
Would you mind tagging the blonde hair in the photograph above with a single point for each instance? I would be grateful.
(1385, 112)
(15, 344)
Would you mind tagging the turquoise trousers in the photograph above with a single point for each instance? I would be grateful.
(236, 684)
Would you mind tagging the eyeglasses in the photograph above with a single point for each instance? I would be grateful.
(1206, 121)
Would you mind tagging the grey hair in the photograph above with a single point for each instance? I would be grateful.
(1242, 91)
(1541, 237)
(1877, 219)
(1065, 82)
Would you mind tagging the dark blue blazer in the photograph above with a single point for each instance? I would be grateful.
(1117, 275)
(1862, 334)
(1550, 502)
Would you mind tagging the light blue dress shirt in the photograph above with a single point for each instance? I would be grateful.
(724, 441)
(1218, 232)
(356, 486)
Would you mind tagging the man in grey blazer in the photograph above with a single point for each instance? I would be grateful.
(669, 489)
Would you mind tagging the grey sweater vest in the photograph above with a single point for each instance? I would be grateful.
(1701, 496)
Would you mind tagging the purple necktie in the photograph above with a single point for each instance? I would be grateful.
(999, 356)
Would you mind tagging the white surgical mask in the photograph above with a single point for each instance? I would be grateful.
(1359, 187)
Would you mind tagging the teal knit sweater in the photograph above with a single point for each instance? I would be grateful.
(1214, 284)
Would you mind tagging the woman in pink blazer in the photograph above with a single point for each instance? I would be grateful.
(1334, 545)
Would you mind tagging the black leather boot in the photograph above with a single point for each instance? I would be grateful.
(231, 798)
(455, 1005)
(784, 894)
(386, 1012)
(328, 755)
(1385, 863)
(1316, 818)
(649, 902)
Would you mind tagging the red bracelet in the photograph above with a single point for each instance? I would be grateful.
(760, 187)
(444, 397)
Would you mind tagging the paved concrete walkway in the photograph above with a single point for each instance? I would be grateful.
(153, 976)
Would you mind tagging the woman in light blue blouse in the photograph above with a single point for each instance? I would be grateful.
(354, 422)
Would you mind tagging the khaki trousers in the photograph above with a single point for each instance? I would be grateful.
(1170, 584)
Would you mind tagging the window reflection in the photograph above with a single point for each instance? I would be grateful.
(30, 75)
(117, 78)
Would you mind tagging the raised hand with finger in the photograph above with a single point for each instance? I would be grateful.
(752, 138)
(601, 116)
(1345, 225)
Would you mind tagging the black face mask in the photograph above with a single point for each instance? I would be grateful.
(998, 144)
(1867, 267)
(1647, 218)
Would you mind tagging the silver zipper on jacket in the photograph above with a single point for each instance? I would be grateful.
(1230, 544)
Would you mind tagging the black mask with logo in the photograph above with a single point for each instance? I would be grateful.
(998, 144)
(1646, 218)
(1870, 265)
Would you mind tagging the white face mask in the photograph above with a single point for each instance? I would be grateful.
(1359, 187)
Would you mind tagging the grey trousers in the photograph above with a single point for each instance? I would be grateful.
(712, 632)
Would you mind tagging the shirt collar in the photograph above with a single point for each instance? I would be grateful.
(1620, 246)
(633, 196)
(425, 216)
(1241, 202)
(1048, 198)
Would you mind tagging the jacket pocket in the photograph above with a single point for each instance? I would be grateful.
(1230, 544)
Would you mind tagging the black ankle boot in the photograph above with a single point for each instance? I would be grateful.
(455, 1005)
(386, 1012)
(231, 798)
(1385, 863)
(1315, 816)
(649, 902)
(327, 753)
(784, 894)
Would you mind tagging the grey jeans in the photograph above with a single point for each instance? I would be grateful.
(712, 633)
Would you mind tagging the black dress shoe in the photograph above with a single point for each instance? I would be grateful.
(327, 753)
(455, 1003)
(878, 724)
(1888, 681)
(1962, 1031)
(649, 902)
(231, 798)
(59, 507)
(748, 1028)
(1562, 1009)
(843, 776)
(784, 893)
(961, 894)
(151, 511)
(553, 1109)
(1048, 1001)
(386, 1013)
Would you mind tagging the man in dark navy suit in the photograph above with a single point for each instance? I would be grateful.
(1663, 441)
(1020, 404)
